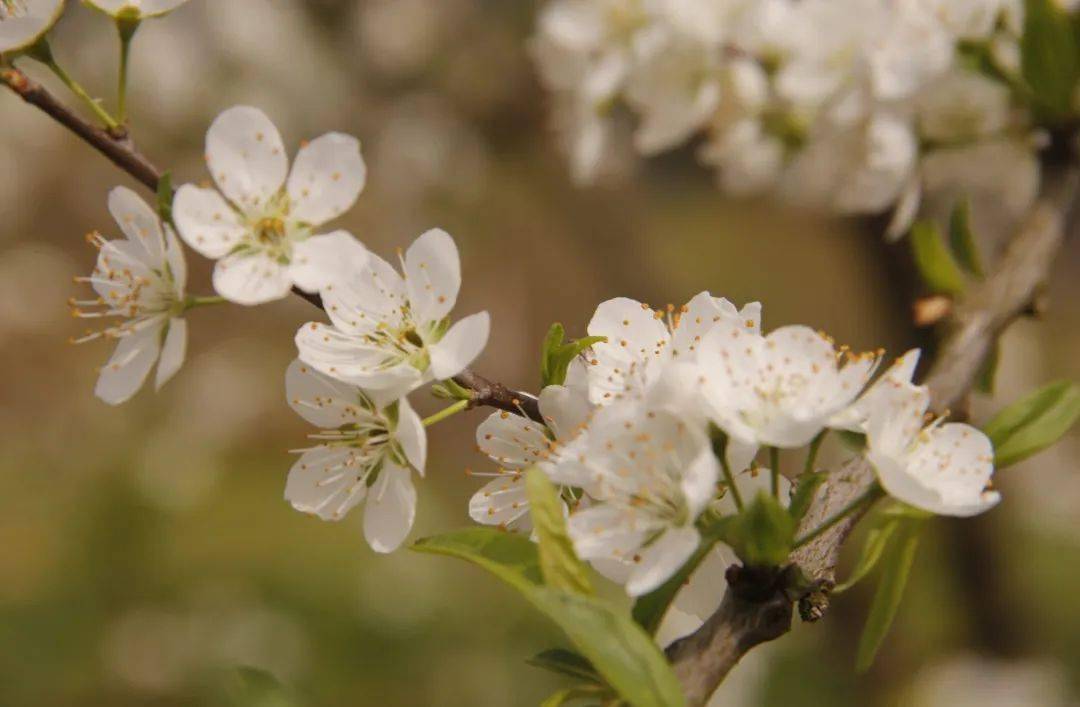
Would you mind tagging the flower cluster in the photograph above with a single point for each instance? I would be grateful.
(855, 105)
(632, 437)
(388, 335)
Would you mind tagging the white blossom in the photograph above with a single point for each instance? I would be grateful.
(391, 334)
(137, 9)
(261, 226)
(881, 393)
(363, 454)
(641, 341)
(650, 475)
(940, 468)
(517, 443)
(839, 104)
(139, 282)
(24, 22)
(781, 389)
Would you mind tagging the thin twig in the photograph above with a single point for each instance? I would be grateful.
(121, 151)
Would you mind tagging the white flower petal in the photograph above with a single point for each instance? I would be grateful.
(334, 258)
(351, 359)
(565, 410)
(146, 8)
(326, 482)
(327, 177)
(390, 509)
(432, 275)
(501, 501)
(630, 359)
(512, 441)
(206, 221)
(372, 298)
(173, 352)
(251, 279)
(411, 436)
(246, 157)
(460, 346)
(321, 400)
(956, 461)
(728, 358)
(20, 32)
(604, 532)
(130, 364)
(661, 559)
(699, 481)
(138, 221)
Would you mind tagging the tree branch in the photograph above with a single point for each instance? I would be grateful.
(121, 151)
(749, 616)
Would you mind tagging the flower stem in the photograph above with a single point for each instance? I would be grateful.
(720, 449)
(126, 32)
(195, 302)
(868, 497)
(446, 412)
(811, 456)
(774, 470)
(43, 53)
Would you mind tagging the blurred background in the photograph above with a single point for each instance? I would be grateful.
(146, 551)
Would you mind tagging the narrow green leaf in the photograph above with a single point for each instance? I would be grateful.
(876, 540)
(896, 568)
(962, 240)
(763, 532)
(165, 197)
(605, 635)
(936, 264)
(649, 609)
(564, 662)
(557, 356)
(806, 489)
(1033, 423)
(1048, 57)
(569, 694)
(558, 561)
(552, 342)
(985, 381)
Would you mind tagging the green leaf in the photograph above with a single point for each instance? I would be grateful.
(511, 557)
(873, 547)
(896, 565)
(1034, 423)
(605, 635)
(1048, 57)
(568, 694)
(934, 261)
(649, 609)
(806, 489)
(564, 662)
(165, 197)
(984, 382)
(557, 356)
(558, 561)
(763, 532)
(962, 240)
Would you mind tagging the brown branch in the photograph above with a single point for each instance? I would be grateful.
(121, 151)
(752, 615)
